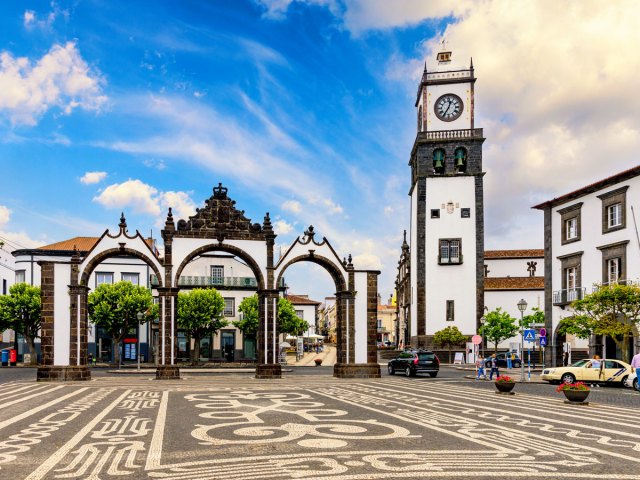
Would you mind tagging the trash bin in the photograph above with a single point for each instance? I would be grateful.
(13, 357)
(5, 358)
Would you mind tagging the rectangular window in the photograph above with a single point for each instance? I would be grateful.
(450, 251)
(379, 323)
(570, 223)
(435, 213)
(613, 270)
(613, 209)
(571, 274)
(217, 274)
(4, 286)
(465, 212)
(300, 314)
(103, 277)
(229, 307)
(20, 276)
(131, 277)
(614, 215)
(450, 311)
(571, 226)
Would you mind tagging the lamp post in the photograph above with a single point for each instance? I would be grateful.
(522, 306)
(482, 322)
(139, 315)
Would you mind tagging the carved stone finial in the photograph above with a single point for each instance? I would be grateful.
(344, 261)
(75, 256)
(220, 192)
(123, 223)
(350, 260)
(531, 268)
(309, 233)
(170, 216)
(266, 225)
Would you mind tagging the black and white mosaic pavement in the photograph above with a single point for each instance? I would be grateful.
(236, 427)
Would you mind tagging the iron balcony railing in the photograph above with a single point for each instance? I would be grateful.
(563, 297)
(598, 286)
(204, 281)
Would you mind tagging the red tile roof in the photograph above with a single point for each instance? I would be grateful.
(514, 283)
(301, 300)
(612, 180)
(82, 244)
(531, 253)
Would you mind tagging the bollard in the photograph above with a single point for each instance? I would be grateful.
(5, 358)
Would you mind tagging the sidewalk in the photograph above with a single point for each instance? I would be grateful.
(514, 373)
(328, 356)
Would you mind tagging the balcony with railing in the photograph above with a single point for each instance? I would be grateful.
(216, 282)
(451, 134)
(598, 286)
(568, 295)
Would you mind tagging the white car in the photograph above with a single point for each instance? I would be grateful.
(631, 380)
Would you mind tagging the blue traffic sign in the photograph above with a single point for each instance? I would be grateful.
(529, 335)
(543, 341)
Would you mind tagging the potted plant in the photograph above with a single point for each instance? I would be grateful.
(505, 384)
(318, 361)
(575, 392)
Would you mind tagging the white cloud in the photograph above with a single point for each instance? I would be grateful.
(277, 9)
(292, 206)
(90, 178)
(281, 227)
(180, 202)
(139, 196)
(61, 79)
(29, 18)
(332, 207)
(144, 198)
(5, 215)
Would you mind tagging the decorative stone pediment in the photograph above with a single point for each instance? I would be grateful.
(220, 219)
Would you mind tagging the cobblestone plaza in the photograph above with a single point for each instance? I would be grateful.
(316, 427)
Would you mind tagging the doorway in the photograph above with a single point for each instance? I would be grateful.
(228, 345)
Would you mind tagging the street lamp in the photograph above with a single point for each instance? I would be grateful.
(522, 306)
(482, 322)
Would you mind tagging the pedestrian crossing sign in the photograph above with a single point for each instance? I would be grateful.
(529, 335)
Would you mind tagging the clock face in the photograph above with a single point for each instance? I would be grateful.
(448, 107)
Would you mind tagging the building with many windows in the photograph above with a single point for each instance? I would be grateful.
(591, 239)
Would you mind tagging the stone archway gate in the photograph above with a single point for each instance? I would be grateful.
(218, 226)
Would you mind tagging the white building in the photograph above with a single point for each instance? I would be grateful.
(7, 279)
(591, 238)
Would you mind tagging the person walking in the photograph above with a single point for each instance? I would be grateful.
(635, 363)
(480, 368)
(492, 362)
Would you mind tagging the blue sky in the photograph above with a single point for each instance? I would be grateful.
(304, 109)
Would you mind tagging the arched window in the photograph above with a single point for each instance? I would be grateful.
(420, 118)
(438, 160)
(461, 159)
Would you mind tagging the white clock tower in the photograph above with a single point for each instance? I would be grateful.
(447, 220)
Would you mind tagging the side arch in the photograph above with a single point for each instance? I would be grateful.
(328, 265)
(238, 252)
(113, 252)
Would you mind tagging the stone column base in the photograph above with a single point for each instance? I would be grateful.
(268, 370)
(167, 372)
(356, 370)
(63, 373)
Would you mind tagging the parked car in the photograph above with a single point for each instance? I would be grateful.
(412, 362)
(632, 381)
(612, 371)
(502, 360)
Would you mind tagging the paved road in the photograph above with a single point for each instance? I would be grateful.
(309, 426)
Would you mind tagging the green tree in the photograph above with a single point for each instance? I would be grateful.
(498, 326)
(249, 322)
(288, 321)
(200, 313)
(536, 317)
(115, 308)
(20, 311)
(449, 337)
(612, 310)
